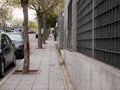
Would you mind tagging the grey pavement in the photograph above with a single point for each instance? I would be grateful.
(46, 74)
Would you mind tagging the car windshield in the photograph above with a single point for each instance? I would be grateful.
(1, 31)
(15, 37)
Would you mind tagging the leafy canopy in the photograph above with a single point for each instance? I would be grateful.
(33, 25)
(51, 19)
(42, 6)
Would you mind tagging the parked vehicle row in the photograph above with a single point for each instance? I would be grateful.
(11, 47)
(19, 44)
(7, 53)
(1, 31)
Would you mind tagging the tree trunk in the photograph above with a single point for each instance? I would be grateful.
(44, 29)
(39, 31)
(48, 32)
(26, 37)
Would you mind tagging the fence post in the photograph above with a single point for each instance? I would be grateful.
(74, 24)
(93, 34)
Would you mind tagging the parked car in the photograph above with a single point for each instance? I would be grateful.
(7, 30)
(30, 32)
(7, 53)
(17, 30)
(19, 44)
(2, 31)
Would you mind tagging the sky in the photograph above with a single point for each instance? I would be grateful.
(18, 14)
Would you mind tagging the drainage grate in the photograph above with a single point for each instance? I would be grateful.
(31, 72)
(40, 48)
(52, 65)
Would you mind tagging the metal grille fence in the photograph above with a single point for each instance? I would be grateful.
(106, 30)
(84, 27)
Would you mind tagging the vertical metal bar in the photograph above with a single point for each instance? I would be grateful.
(74, 19)
(93, 41)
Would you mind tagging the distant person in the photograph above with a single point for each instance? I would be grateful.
(55, 35)
(53, 32)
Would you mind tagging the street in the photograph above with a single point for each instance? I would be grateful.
(81, 51)
(33, 43)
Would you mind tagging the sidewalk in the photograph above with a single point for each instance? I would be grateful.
(46, 73)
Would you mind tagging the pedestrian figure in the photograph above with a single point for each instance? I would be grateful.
(53, 32)
(55, 35)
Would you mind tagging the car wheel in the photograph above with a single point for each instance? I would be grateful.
(14, 61)
(2, 69)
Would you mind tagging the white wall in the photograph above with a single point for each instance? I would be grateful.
(89, 74)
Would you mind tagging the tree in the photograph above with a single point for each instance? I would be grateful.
(24, 4)
(49, 22)
(41, 7)
(58, 7)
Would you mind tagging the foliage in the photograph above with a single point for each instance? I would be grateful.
(51, 19)
(17, 22)
(32, 25)
(43, 6)
(14, 3)
(5, 10)
(59, 9)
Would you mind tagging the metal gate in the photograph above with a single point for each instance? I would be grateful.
(106, 30)
(84, 27)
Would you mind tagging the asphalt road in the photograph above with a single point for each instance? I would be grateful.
(33, 44)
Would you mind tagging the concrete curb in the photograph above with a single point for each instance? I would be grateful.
(12, 71)
(67, 79)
